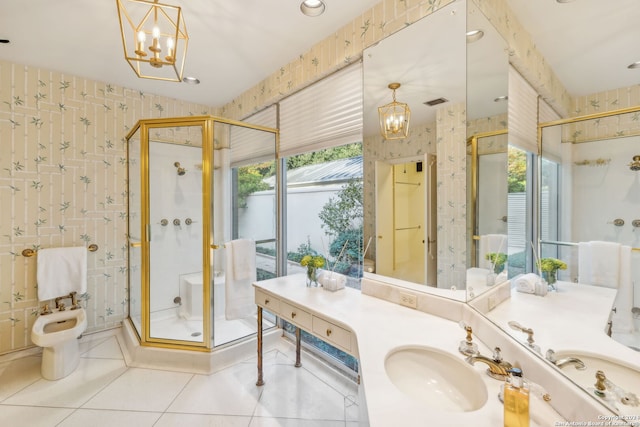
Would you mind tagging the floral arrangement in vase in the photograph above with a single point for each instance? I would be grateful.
(497, 259)
(313, 263)
(549, 268)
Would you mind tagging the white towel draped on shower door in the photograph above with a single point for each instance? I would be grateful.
(609, 264)
(240, 273)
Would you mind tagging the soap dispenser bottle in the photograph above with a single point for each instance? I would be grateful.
(516, 400)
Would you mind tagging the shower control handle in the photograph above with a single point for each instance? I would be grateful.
(618, 222)
(188, 221)
(164, 222)
(176, 221)
(636, 223)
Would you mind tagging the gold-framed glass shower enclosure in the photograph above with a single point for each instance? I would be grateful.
(184, 178)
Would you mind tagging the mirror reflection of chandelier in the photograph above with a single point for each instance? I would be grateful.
(154, 37)
(394, 117)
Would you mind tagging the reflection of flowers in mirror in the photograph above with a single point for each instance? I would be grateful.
(551, 264)
(497, 259)
(549, 267)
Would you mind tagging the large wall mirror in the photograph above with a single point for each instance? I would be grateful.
(487, 159)
(582, 187)
(416, 203)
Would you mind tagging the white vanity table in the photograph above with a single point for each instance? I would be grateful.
(371, 328)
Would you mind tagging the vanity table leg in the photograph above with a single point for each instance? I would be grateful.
(260, 381)
(298, 364)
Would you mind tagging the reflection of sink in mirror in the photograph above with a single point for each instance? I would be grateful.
(626, 378)
(435, 378)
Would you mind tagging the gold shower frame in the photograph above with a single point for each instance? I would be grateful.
(473, 142)
(207, 124)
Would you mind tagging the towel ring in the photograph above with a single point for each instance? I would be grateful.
(28, 253)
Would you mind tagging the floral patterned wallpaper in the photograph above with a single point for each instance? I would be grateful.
(63, 183)
(607, 127)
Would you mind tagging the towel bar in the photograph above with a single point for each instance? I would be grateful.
(553, 242)
(30, 252)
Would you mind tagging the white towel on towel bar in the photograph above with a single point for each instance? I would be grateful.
(244, 254)
(624, 298)
(239, 301)
(609, 264)
(599, 263)
(61, 271)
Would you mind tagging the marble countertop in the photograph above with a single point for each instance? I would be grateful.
(381, 326)
(572, 318)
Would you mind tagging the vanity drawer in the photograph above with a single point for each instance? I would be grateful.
(333, 334)
(295, 315)
(268, 302)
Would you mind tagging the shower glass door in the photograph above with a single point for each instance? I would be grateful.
(175, 234)
(243, 207)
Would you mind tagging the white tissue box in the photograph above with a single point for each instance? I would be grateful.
(332, 281)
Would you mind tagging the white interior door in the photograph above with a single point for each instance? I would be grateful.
(384, 218)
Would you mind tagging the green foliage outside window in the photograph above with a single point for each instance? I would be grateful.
(345, 211)
(250, 180)
(517, 175)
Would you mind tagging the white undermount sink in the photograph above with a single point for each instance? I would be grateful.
(436, 378)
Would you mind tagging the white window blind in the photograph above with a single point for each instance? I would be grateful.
(523, 113)
(249, 146)
(323, 115)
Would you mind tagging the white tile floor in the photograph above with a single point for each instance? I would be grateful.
(103, 391)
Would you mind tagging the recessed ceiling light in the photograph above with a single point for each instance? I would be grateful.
(564, 1)
(312, 7)
(474, 35)
(191, 80)
(5, 41)
(634, 65)
(501, 98)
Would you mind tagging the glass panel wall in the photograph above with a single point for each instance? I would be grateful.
(243, 209)
(135, 231)
(324, 219)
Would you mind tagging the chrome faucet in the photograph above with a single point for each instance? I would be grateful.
(496, 369)
(561, 363)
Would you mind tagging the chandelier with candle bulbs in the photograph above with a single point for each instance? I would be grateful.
(394, 117)
(154, 37)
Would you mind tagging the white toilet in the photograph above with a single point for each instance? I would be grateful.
(58, 334)
(61, 274)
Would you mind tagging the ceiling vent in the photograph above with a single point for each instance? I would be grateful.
(436, 101)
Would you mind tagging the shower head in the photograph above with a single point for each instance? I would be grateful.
(635, 164)
(181, 171)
